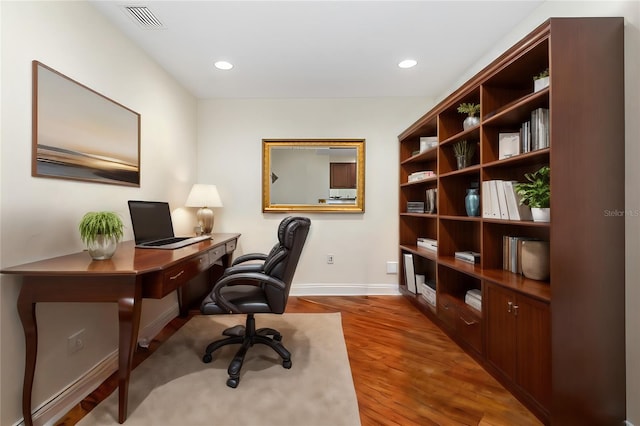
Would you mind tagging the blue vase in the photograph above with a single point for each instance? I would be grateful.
(472, 202)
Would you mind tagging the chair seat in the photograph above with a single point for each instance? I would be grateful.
(248, 299)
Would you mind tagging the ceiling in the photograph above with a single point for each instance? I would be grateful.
(318, 49)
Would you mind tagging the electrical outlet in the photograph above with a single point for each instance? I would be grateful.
(75, 342)
(392, 267)
(330, 259)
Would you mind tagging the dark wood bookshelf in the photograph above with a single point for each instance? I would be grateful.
(538, 338)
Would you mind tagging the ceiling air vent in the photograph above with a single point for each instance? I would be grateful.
(144, 17)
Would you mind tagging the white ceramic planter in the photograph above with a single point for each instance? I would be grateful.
(541, 215)
(540, 84)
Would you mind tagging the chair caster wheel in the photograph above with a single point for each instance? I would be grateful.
(207, 358)
(286, 364)
(232, 383)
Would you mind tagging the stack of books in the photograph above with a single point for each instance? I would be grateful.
(415, 207)
(428, 244)
(473, 298)
(468, 256)
(415, 176)
(428, 292)
(534, 133)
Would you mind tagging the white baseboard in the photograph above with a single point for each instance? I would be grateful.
(57, 406)
(344, 289)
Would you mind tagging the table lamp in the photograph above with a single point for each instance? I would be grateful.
(204, 197)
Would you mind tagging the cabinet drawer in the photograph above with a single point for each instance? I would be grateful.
(231, 246)
(469, 329)
(447, 311)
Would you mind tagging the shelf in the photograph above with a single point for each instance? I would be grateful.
(422, 215)
(428, 155)
(540, 155)
(421, 181)
(427, 254)
(540, 290)
(518, 110)
(461, 266)
(474, 168)
(461, 218)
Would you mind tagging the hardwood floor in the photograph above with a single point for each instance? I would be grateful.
(406, 371)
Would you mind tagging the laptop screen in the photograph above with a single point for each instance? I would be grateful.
(151, 220)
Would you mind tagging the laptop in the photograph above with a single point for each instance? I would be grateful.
(153, 228)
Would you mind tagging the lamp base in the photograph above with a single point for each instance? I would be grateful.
(205, 220)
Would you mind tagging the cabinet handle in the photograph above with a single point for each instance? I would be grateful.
(177, 275)
(515, 310)
(468, 322)
(509, 306)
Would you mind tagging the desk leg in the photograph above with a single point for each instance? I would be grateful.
(27, 312)
(129, 309)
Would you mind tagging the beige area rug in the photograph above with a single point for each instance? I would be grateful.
(174, 387)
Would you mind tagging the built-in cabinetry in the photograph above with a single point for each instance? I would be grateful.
(342, 175)
(557, 344)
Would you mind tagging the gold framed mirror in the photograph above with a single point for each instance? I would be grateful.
(313, 175)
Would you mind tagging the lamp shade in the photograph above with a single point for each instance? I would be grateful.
(202, 195)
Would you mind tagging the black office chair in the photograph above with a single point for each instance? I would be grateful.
(257, 288)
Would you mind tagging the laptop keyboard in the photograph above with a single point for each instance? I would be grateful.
(165, 241)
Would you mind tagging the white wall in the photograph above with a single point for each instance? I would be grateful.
(630, 10)
(39, 216)
(230, 155)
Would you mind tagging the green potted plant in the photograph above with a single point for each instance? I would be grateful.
(471, 110)
(541, 80)
(463, 151)
(536, 193)
(101, 232)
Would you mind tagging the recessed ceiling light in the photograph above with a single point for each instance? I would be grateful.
(223, 65)
(408, 63)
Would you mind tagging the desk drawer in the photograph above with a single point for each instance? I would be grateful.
(178, 275)
(216, 254)
(231, 246)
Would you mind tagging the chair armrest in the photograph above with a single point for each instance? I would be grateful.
(248, 257)
(243, 278)
(250, 267)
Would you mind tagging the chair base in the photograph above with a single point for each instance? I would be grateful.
(247, 336)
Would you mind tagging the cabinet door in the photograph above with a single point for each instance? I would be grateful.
(534, 349)
(501, 329)
(343, 175)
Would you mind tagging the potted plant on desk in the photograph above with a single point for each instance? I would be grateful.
(101, 232)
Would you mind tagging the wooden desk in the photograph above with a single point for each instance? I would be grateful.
(130, 275)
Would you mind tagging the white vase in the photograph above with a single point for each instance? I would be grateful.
(541, 214)
(102, 248)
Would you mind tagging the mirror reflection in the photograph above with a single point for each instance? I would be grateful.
(313, 175)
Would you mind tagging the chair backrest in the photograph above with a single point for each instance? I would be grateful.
(283, 259)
